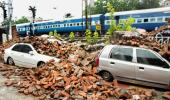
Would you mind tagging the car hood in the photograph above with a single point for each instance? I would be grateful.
(47, 58)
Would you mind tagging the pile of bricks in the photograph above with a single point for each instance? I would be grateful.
(66, 81)
(73, 78)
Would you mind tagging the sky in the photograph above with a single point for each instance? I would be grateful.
(46, 9)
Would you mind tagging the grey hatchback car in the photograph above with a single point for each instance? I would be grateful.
(133, 64)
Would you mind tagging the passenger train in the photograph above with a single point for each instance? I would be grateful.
(147, 19)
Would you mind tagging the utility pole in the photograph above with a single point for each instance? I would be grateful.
(7, 21)
(86, 13)
(10, 11)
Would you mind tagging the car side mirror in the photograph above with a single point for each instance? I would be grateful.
(31, 52)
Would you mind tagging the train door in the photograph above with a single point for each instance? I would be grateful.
(117, 19)
(102, 22)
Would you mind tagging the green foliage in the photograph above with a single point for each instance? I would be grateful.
(113, 26)
(88, 36)
(108, 38)
(51, 33)
(146, 4)
(72, 36)
(57, 35)
(95, 37)
(23, 19)
(127, 26)
(91, 38)
(123, 5)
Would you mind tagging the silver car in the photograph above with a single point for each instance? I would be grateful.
(134, 65)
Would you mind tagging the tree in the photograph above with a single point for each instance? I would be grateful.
(146, 4)
(33, 10)
(123, 5)
(23, 19)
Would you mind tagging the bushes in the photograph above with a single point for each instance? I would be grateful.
(55, 34)
(72, 36)
(91, 38)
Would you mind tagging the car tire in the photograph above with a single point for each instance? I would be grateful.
(10, 61)
(40, 64)
(107, 76)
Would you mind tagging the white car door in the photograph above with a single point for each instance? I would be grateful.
(121, 63)
(152, 69)
(15, 54)
(27, 59)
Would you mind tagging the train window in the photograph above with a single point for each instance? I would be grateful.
(81, 24)
(109, 22)
(146, 20)
(71, 25)
(74, 24)
(152, 19)
(67, 25)
(59, 25)
(159, 19)
(78, 24)
(64, 25)
(139, 20)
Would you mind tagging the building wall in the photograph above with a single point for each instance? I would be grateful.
(15, 35)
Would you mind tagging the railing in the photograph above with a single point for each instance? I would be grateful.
(162, 39)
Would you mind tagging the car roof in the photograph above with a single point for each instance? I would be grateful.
(127, 46)
(22, 43)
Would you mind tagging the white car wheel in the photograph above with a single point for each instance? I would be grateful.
(107, 76)
(10, 61)
(40, 64)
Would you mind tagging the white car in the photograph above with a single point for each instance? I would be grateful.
(24, 55)
(133, 64)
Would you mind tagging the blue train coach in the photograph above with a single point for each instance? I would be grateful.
(61, 26)
(147, 19)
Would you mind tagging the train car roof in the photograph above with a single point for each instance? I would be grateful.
(163, 9)
(97, 15)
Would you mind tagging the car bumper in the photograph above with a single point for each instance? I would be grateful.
(4, 58)
(98, 70)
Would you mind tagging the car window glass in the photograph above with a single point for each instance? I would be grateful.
(17, 48)
(125, 54)
(26, 49)
(149, 58)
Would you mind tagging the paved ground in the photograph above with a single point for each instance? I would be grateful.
(10, 93)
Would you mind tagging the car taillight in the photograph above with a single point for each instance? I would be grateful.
(97, 61)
